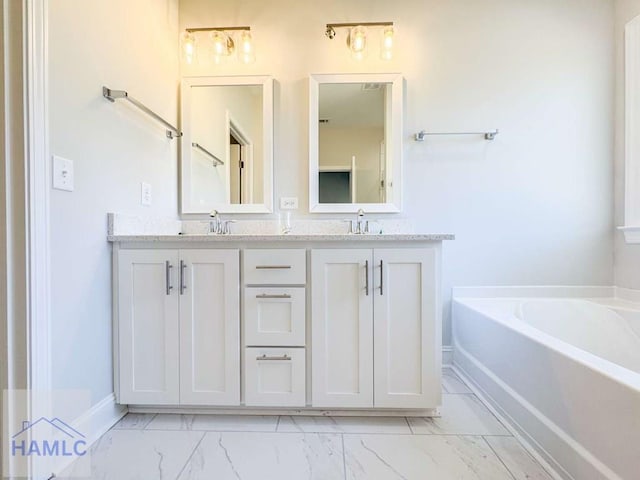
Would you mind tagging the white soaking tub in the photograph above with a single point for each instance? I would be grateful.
(564, 372)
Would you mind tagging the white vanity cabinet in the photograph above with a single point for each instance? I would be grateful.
(375, 328)
(178, 327)
(300, 323)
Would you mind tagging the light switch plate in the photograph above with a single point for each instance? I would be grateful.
(145, 194)
(288, 203)
(62, 174)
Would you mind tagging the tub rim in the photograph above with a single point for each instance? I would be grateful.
(618, 373)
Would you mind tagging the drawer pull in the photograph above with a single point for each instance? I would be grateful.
(273, 267)
(167, 271)
(264, 295)
(183, 285)
(366, 277)
(264, 357)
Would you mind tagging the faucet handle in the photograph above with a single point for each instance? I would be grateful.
(226, 229)
(350, 222)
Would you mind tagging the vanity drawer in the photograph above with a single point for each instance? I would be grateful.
(275, 267)
(275, 377)
(274, 316)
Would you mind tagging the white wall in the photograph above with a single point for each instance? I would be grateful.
(627, 257)
(532, 207)
(123, 45)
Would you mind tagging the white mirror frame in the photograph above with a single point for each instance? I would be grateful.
(394, 150)
(186, 149)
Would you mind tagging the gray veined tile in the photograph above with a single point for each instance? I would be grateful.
(134, 421)
(137, 454)
(521, 465)
(215, 423)
(407, 457)
(451, 383)
(461, 415)
(344, 424)
(266, 456)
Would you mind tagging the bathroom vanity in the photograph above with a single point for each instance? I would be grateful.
(301, 323)
(291, 322)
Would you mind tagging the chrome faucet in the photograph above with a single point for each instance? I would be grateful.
(215, 224)
(362, 225)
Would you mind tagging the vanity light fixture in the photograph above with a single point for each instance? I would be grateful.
(222, 41)
(357, 37)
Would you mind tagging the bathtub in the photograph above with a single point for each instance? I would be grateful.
(565, 372)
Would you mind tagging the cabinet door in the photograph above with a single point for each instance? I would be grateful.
(148, 327)
(342, 328)
(209, 287)
(407, 328)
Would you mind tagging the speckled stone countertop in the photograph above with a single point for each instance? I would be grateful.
(133, 229)
(199, 238)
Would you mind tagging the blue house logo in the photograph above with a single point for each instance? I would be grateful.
(48, 438)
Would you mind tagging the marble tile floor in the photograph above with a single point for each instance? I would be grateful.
(466, 443)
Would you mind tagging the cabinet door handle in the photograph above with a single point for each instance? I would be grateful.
(273, 267)
(264, 357)
(167, 270)
(183, 286)
(264, 295)
(381, 277)
(366, 277)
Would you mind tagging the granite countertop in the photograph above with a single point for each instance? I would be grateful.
(396, 237)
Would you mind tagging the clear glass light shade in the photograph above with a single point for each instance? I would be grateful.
(221, 45)
(386, 48)
(357, 42)
(246, 49)
(188, 47)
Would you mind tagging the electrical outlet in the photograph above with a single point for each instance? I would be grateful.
(62, 174)
(288, 203)
(145, 194)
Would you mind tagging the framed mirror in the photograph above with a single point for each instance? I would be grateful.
(227, 147)
(355, 142)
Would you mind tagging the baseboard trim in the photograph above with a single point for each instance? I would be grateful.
(307, 411)
(101, 417)
(447, 356)
(94, 423)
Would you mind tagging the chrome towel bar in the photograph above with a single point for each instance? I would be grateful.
(216, 160)
(113, 95)
(419, 137)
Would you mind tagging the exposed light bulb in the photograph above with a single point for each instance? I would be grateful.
(246, 53)
(188, 43)
(222, 46)
(357, 42)
(386, 49)
(219, 43)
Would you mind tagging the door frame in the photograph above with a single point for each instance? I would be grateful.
(246, 155)
(25, 306)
